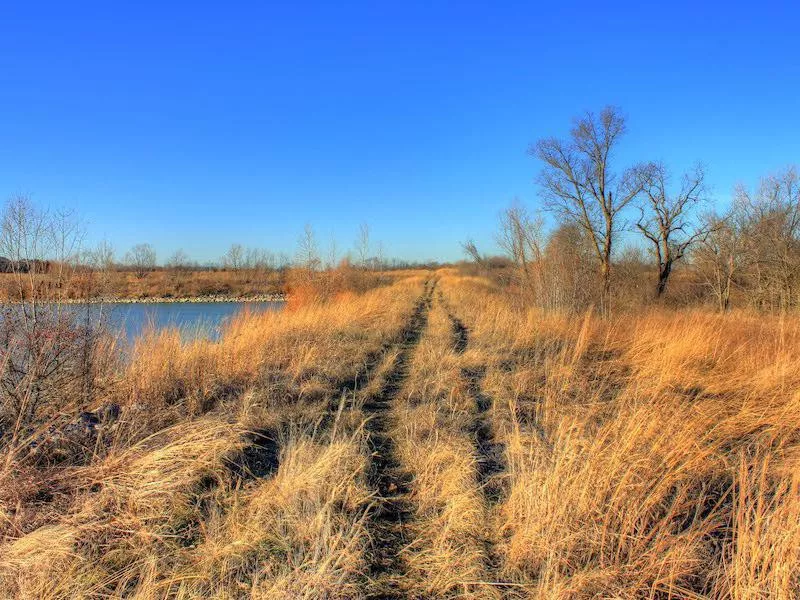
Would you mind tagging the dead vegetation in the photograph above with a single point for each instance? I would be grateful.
(646, 454)
(428, 439)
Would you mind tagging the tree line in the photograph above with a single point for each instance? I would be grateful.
(750, 252)
(29, 244)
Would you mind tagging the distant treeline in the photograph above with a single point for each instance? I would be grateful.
(49, 244)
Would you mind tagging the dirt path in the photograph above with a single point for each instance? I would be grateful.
(490, 453)
(386, 474)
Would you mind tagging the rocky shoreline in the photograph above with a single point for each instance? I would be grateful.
(180, 299)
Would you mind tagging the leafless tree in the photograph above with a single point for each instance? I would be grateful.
(43, 249)
(234, 257)
(718, 257)
(24, 241)
(98, 263)
(178, 261)
(569, 270)
(283, 261)
(177, 266)
(579, 184)
(44, 350)
(362, 245)
(66, 237)
(260, 259)
(471, 250)
(520, 236)
(669, 220)
(307, 250)
(142, 257)
(770, 220)
(380, 259)
(331, 253)
(102, 256)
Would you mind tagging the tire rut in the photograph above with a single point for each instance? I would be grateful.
(490, 454)
(386, 473)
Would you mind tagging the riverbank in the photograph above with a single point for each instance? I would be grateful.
(156, 286)
(179, 299)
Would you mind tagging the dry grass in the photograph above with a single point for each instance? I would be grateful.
(160, 506)
(301, 534)
(447, 554)
(197, 283)
(163, 283)
(651, 455)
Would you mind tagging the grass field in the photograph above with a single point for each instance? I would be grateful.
(426, 439)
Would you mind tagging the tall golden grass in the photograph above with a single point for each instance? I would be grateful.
(648, 455)
(156, 510)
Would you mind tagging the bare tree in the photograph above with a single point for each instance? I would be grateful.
(580, 186)
(771, 228)
(234, 258)
(283, 261)
(99, 262)
(66, 236)
(177, 266)
(471, 250)
(44, 350)
(669, 221)
(178, 261)
(380, 259)
(718, 257)
(307, 251)
(569, 270)
(257, 258)
(102, 256)
(24, 238)
(142, 257)
(521, 238)
(333, 253)
(362, 245)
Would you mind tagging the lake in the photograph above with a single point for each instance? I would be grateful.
(193, 319)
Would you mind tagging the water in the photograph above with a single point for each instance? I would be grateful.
(193, 319)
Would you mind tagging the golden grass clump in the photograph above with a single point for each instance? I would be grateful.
(135, 507)
(300, 534)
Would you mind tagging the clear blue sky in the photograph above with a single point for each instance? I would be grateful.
(200, 124)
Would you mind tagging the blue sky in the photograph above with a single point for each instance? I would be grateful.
(197, 125)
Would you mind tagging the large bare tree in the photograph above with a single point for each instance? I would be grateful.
(579, 184)
(669, 220)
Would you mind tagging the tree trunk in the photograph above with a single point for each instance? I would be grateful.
(663, 276)
(725, 297)
(605, 299)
